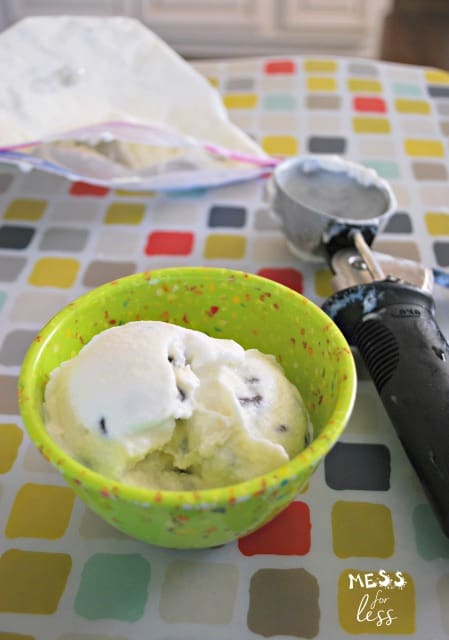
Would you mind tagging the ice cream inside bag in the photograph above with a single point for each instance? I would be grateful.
(106, 101)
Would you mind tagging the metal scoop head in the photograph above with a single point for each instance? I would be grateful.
(321, 200)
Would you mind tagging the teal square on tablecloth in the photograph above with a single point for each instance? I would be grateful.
(406, 90)
(431, 543)
(113, 586)
(385, 168)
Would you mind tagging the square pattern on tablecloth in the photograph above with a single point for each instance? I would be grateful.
(67, 575)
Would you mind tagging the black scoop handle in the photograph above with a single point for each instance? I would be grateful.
(394, 328)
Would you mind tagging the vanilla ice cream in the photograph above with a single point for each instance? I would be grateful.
(158, 405)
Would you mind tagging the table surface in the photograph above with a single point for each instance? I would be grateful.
(67, 575)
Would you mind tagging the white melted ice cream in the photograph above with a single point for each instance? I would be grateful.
(159, 405)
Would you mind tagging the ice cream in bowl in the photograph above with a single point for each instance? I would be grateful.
(187, 406)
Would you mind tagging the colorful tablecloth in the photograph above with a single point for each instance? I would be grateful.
(321, 569)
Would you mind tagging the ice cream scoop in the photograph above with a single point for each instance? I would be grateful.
(332, 209)
(162, 406)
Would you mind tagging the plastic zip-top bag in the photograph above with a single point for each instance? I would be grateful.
(106, 101)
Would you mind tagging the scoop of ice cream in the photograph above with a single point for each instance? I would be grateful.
(159, 405)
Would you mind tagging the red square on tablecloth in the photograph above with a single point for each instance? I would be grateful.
(85, 189)
(287, 535)
(284, 275)
(169, 243)
(280, 66)
(372, 105)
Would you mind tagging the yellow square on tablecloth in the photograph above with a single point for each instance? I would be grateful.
(54, 272)
(40, 511)
(32, 581)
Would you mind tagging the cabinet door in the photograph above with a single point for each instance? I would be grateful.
(351, 26)
(265, 27)
(208, 27)
(243, 15)
(17, 9)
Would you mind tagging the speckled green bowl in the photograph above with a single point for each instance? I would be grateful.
(254, 311)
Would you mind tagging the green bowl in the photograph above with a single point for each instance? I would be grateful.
(254, 311)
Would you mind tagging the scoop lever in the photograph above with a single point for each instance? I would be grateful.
(384, 307)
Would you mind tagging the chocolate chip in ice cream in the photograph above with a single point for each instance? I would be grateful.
(182, 394)
(179, 360)
(282, 428)
(102, 423)
(183, 471)
(253, 400)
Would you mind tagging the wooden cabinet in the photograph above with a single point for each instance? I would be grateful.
(257, 27)
(17, 9)
(226, 28)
